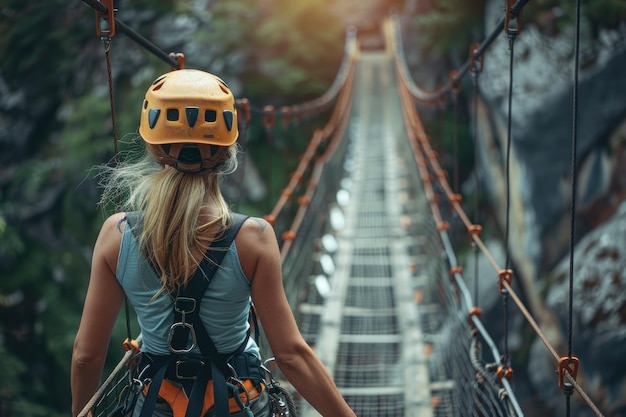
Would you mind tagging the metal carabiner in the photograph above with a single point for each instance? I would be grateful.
(170, 337)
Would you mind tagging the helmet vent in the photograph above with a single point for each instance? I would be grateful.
(189, 154)
(210, 116)
(189, 106)
(158, 86)
(153, 116)
(228, 119)
(172, 115)
(192, 115)
(161, 78)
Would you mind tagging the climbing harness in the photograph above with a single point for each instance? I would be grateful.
(207, 377)
(192, 383)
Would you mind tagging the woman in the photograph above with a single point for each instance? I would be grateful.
(189, 126)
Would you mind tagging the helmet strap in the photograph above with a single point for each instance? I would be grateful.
(190, 158)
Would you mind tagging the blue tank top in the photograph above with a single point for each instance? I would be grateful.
(224, 308)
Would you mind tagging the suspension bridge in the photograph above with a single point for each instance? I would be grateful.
(364, 243)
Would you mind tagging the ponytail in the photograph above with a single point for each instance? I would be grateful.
(172, 202)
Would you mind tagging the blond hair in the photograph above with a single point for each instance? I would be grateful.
(171, 202)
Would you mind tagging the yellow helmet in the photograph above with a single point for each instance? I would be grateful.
(189, 106)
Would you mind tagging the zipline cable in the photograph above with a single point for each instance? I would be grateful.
(146, 44)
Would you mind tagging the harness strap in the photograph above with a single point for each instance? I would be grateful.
(188, 314)
(176, 396)
(153, 391)
(194, 289)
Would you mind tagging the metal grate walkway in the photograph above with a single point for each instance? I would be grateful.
(366, 329)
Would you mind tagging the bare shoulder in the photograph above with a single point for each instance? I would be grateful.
(256, 230)
(110, 238)
(256, 243)
(112, 228)
(258, 225)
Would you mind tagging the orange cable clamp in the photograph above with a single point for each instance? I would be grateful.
(504, 275)
(474, 311)
(244, 105)
(179, 58)
(504, 372)
(567, 364)
(269, 117)
(474, 230)
(105, 22)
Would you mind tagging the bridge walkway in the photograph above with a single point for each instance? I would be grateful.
(369, 324)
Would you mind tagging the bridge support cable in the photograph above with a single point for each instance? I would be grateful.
(569, 364)
(108, 394)
(566, 372)
(490, 395)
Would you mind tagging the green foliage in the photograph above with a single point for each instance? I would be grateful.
(307, 37)
(35, 37)
(446, 27)
(86, 137)
(599, 14)
(49, 53)
(11, 244)
(605, 13)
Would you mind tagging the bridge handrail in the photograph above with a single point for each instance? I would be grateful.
(323, 102)
(417, 135)
(411, 94)
(341, 91)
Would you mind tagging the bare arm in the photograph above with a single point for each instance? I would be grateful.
(295, 358)
(102, 303)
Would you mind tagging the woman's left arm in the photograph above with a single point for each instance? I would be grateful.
(102, 304)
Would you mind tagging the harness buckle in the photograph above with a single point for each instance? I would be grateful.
(184, 305)
(183, 373)
(184, 326)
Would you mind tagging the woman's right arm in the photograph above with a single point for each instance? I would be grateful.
(295, 358)
(102, 303)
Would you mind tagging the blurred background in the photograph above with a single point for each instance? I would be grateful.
(56, 129)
